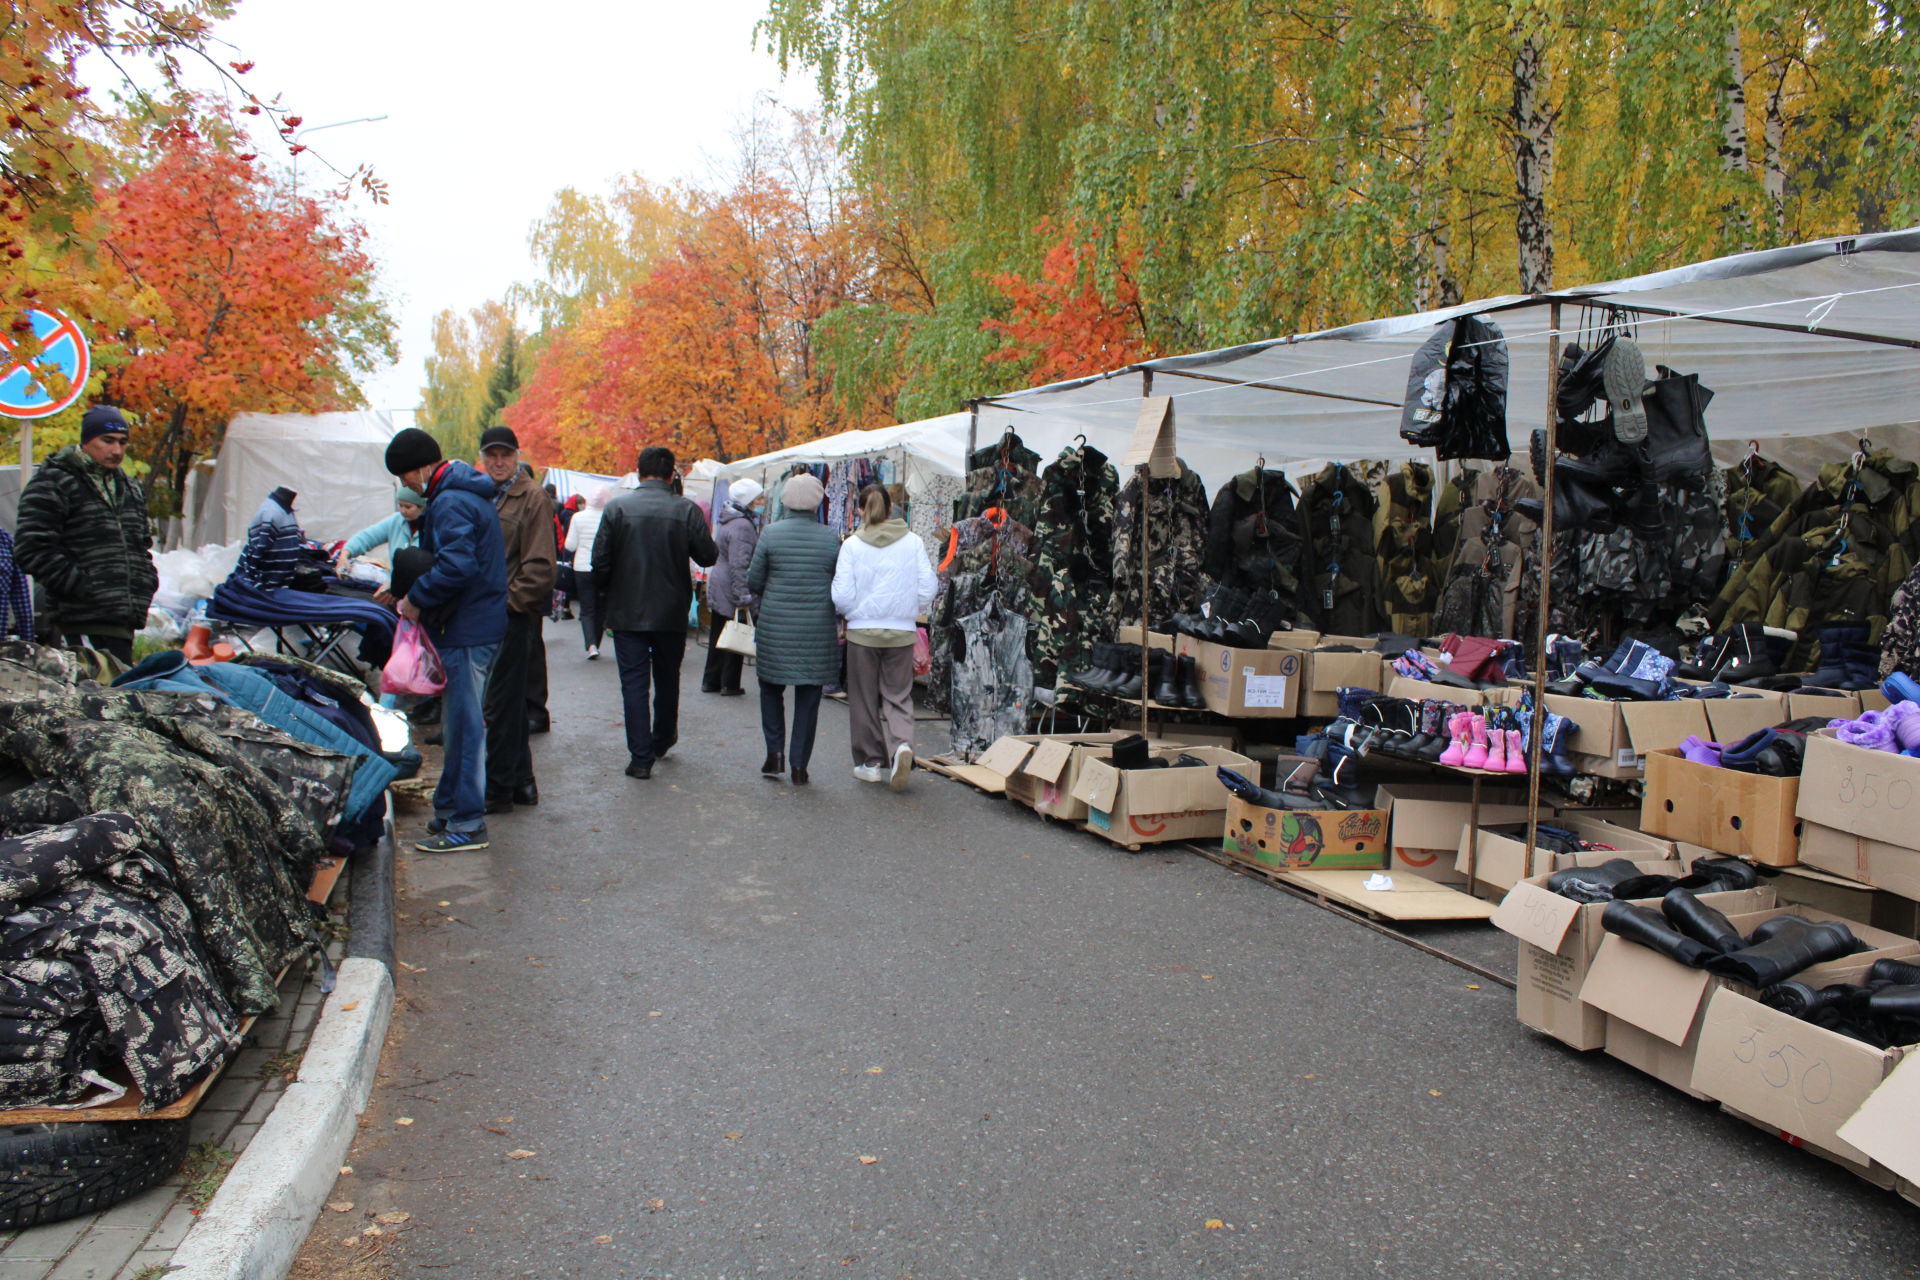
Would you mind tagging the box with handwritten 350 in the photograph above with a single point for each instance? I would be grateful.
(1863, 792)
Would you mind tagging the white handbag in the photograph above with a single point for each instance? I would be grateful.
(737, 635)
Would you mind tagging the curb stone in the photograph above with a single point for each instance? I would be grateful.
(258, 1220)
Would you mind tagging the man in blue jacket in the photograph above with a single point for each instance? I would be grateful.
(462, 602)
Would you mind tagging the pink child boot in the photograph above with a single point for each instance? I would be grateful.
(1477, 744)
(1456, 752)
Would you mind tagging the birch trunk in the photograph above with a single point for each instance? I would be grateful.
(1532, 128)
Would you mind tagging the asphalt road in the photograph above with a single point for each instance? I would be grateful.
(747, 1029)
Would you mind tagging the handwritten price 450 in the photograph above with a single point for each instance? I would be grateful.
(1787, 1067)
(1871, 787)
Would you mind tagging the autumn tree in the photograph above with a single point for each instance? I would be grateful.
(503, 384)
(249, 298)
(458, 369)
(1067, 322)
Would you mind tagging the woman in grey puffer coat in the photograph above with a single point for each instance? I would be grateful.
(795, 636)
(727, 593)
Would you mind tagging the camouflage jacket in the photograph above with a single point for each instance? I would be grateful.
(1071, 580)
(1177, 518)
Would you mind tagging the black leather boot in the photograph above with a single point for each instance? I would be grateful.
(1166, 679)
(1187, 673)
(1897, 972)
(1592, 884)
(1650, 929)
(1092, 677)
(1699, 921)
(1785, 952)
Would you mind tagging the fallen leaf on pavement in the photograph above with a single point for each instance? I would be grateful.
(345, 1169)
(349, 1006)
(446, 904)
(1433, 1093)
(340, 1206)
(520, 1153)
(392, 1219)
(868, 1159)
(730, 1136)
(373, 1231)
(411, 968)
(503, 1119)
(876, 1071)
(403, 1120)
(1214, 1224)
(656, 1014)
(656, 1204)
(1473, 986)
(603, 1239)
(490, 1129)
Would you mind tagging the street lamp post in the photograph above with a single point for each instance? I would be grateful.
(315, 128)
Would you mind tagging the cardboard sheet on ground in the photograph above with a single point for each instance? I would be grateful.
(1411, 898)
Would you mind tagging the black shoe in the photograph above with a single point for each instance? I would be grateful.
(528, 795)
(733, 693)
(435, 739)
(660, 749)
(1166, 679)
(774, 765)
(542, 725)
(499, 804)
(799, 776)
(638, 770)
(1187, 676)
(710, 688)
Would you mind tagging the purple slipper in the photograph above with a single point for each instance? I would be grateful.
(1868, 730)
(1700, 751)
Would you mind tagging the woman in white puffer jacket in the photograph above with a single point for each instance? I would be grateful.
(882, 585)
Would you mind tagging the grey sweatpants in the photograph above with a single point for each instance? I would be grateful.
(879, 701)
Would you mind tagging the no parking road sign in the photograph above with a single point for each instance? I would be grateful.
(26, 389)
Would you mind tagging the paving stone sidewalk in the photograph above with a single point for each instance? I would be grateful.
(134, 1239)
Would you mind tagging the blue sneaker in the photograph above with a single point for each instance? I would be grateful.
(1901, 687)
(454, 842)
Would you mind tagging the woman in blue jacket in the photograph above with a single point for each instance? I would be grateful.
(397, 532)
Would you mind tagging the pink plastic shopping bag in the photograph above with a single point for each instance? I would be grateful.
(414, 666)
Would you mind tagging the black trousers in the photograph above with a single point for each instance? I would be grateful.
(537, 672)
(509, 757)
(591, 632)
(650, 689)
(806, 719)
(723, 668)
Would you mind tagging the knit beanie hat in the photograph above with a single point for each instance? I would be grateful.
(411, 449)
(802, 493)
(101, 420)
(410, 495)
(743, 493)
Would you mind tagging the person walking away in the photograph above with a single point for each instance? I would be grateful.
(883, 585)
(643, 591)
(566, 587)
(539, 720)
(727, 593)
(82, 533)
(794, 639)
(461, 600)
(276, 544)
(396, 533)
(581, 532)
(526, 531)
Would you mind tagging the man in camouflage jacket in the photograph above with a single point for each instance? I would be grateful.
(83, 535)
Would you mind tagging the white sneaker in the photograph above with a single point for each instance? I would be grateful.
(870, 772)
(902, 767)
(593, 651)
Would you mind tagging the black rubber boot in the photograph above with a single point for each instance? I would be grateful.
(1700, 922)
(1785, 952)
(1650, 929)
(1166, 679)
(1187, 673)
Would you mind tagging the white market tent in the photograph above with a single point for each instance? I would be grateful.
(1818, 339)
(335, 462)
(927, 448)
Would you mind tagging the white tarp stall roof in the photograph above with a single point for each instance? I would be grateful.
(1808, 340)
(335, 462)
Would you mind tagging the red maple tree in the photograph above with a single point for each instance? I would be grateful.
(1064, 324)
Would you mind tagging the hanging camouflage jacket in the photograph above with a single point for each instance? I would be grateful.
(989, 560)
(1406, 549)
(1004, 474)
(1342, 566)
(1254, 543)
(1072, 570)
(992, 680)
(1177, 518)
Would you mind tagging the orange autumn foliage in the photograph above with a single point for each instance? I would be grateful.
(1063, 323)
(249, 299)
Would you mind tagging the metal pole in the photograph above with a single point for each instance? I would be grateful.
(1538, 728)
(1146, 576)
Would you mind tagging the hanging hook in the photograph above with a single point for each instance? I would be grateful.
(1080, 440)
(1260, 462)
(1753, 449)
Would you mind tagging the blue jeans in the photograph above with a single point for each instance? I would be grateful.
(650, 689)
(460, 800)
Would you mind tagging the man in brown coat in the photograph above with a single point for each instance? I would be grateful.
(526, 525)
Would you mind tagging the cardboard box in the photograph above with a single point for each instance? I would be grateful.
(1664, 999)
(1250, 682)
(1399, 686)
(1731, 719)
(1878, 1175)
(1299, 639)
(1875, 794)
(1871, 862)
(1836, 705)
(1558, 939)
(1326, 673)
(1820, 1087)
(1425, 823)
(1502, 858)
(1150, 806)
(1747, 814)
(1320, 839)
(1614, 737)
(1040, 769)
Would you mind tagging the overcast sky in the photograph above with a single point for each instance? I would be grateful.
(490, 109)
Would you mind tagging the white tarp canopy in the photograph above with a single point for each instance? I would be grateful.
(1809, 340)
(335, 462)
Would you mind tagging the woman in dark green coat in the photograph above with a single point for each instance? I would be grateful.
(794, 635)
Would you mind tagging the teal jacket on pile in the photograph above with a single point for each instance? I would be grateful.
(394, 533)
(794, 633)
(251, 690)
